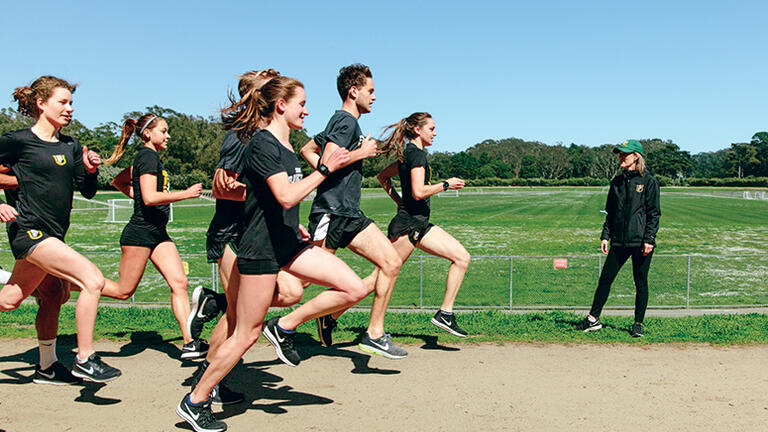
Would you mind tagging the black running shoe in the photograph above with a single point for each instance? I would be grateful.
(200, 417)
(200, 312)
(194, 350)
(325, 326)
(223, 395)
(95, 370)
(448, 323)
(588, 325)
(56, 374)
(637, 330)
(283, 342)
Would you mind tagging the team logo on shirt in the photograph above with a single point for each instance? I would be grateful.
(297, 175)
(60, 159)
(35, 234)
(639, 188)
(360, 140)
(165, 180)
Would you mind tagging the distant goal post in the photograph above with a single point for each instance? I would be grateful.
(120, 210)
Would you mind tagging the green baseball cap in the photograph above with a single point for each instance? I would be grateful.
(629, 146)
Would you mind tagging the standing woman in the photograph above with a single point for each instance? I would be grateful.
(48, 165)
(631, 223)
(411, 228)
(272, 239)
(145, 237)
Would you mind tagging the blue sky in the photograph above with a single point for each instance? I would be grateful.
(585, 72)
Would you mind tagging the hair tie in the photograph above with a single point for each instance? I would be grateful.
(151, 119)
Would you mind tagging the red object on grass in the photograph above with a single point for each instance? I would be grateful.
(560, 263)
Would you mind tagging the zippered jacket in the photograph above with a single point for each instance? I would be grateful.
(632, 209)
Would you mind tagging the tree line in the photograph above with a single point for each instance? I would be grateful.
(193, 154)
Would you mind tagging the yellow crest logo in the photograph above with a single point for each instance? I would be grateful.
(60, 159)
(165, 181)
(34, 234)
(639, 188)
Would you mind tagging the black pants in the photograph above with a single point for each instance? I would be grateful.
(617, 256)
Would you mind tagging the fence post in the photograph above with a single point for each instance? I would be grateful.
(133, 300)
(214, 279)
(511, 268)
(688, 285)
(421, 285)
(599, 265)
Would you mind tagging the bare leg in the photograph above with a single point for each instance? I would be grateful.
(439, 243)
(132, 264)
(52, 293)
(166, 259)
(55, 257)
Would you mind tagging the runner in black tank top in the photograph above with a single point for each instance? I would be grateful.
(145, 237)
(48, 165)
(273, 239)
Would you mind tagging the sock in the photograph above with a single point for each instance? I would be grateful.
(189, 401)
(4, 276)
(79, 360)
(47, 350)
(284, 330)
(446, 313)
(593, 320)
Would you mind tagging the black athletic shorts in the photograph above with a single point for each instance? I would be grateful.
(215, 244)
(337, 231)
(148, 236)
(414, 227)
(23, 241)
(248, 266)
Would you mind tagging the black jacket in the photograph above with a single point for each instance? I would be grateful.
(633, 210)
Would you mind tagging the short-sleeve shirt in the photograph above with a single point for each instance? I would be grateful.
(271, 231)
(47, 173)
(147, 161)
(414, 157)
(339, 194)
(229, 213)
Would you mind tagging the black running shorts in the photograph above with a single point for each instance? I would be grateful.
(249, 266)
(337, 231)
(23, 241)
(148, 236)
(415, 227)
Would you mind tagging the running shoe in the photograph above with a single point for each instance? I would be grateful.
(56, 374)
(201, 312)
(283, 342)
(195, 349)
(382, 346)
(325, 326)
(221, 394)
(448, 323)
(94, 369)
(588, 325)
(200, 417)
(637, 330)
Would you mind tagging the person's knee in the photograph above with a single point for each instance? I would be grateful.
(179, 283)
(391, 264)
(289, 296)
(462, 259)
(357, 290)
(94, 282)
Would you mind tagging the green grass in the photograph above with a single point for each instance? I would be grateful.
(520, 222)
(155, 325)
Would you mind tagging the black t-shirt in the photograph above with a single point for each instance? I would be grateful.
(47, 173)
(413, 157)
(339, 194)
(271, 231)
(229, 214)
(11, 195)
(147, 161)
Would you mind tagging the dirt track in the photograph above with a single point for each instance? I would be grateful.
(527, 387)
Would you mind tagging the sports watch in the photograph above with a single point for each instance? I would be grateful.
(323, 170)
(446, 185)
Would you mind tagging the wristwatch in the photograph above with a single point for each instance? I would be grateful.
(445, 185)
(323, 170)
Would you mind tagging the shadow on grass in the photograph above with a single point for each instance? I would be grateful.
(66, 347)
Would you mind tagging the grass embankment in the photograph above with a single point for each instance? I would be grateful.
(157, 325)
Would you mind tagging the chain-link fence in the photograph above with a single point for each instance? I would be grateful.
(525, 282)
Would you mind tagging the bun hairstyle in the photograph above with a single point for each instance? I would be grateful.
(41, 88)
(249, 84)
(402, 130)
(256, 107)
(145, 122)
(350, 76)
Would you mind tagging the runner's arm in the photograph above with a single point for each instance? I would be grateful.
(122, 182)
(225, 186)
(385, 178)
(421, 191)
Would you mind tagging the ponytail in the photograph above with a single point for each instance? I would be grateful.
(402, 130)
(129, 127)
(41, 88)
(256, 107)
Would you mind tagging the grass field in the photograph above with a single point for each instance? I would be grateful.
(526, 223)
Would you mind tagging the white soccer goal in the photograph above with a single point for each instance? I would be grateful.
(747, 195)
(449, 193)
(121, 210)
(207, 195)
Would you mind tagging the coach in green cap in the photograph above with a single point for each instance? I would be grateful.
(631, 222)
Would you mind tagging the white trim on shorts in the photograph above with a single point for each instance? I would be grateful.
(322, 228)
